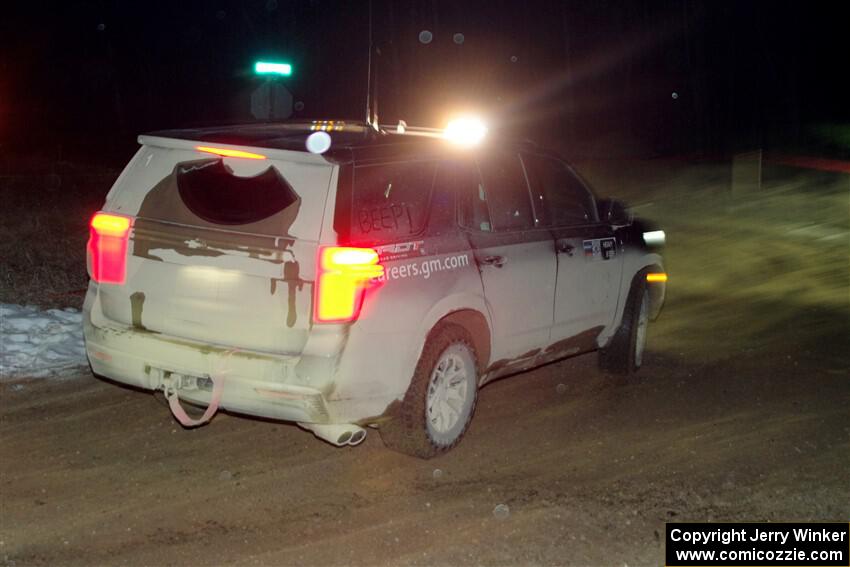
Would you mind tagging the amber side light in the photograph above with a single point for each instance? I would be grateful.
(656, 277)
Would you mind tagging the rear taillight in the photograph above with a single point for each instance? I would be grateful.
(107, 248)
(343, 276)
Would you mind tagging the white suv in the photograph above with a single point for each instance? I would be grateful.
(380, 283)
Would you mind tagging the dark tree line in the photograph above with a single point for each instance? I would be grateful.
(640, 76)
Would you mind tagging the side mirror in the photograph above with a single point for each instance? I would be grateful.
(614, 212)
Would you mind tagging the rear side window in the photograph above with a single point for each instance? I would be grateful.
(560, 198)
(506, 192)
(212, 192)
(391, 201)
(460, 178)
(453, 179)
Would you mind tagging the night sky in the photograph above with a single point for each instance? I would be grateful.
(652, 77)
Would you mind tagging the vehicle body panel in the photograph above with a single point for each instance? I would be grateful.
(205, 299)
(520, 292)
(589, 269)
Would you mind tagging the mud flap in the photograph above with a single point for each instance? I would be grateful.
(217, 377)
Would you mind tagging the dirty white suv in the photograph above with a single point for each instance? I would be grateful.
(380, 283)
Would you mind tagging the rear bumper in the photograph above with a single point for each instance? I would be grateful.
(254, 383)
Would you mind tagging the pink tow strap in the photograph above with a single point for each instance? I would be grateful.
(217, 377)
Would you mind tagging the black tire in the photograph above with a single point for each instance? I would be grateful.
(411, 429)
(623, 354)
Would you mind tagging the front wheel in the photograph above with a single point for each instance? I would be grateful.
(624, 352)
(438, 406)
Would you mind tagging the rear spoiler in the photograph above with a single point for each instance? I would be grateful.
(271, 153)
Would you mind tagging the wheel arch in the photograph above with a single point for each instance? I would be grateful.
(470, 312)
(640, 266)
(657, 290)
(476, 325)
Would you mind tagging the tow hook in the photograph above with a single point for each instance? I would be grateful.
(172, 383)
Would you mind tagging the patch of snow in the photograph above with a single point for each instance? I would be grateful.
(40, 343)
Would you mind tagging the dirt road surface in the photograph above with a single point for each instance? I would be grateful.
(740, 414)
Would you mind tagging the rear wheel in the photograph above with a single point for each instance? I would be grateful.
(438, 406)
(624, 352)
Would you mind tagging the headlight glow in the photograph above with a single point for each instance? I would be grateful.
(654, 238)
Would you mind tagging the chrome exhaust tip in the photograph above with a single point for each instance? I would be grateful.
(344, 438)
(357, 437)
(337, 434)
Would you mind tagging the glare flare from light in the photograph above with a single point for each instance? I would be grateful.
(467, 131)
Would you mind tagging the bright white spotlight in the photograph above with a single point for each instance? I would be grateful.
(466, 131)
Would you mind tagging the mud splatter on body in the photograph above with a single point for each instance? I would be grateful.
(137, 303)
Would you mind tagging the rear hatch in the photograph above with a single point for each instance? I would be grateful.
(222, 249)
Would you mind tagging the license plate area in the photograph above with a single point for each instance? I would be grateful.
(178, 380)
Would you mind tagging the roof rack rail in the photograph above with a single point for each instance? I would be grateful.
(403, 128)
(324, 125)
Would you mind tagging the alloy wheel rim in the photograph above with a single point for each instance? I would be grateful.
(449, 390)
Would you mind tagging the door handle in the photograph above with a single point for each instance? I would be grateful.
(497, 261)
(565, 247)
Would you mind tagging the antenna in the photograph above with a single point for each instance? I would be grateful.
(369, 72)
(371, 114)
(375, 123)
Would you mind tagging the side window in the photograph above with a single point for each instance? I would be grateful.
(463, 177)
(506, 191)
(560, 198)
(391, 201)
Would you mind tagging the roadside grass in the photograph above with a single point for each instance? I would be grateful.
(44, 228)
(770, 265)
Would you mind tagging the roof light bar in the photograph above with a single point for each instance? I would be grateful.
(327, 125)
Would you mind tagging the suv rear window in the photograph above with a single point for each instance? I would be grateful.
(389, 201)
(210, 190)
